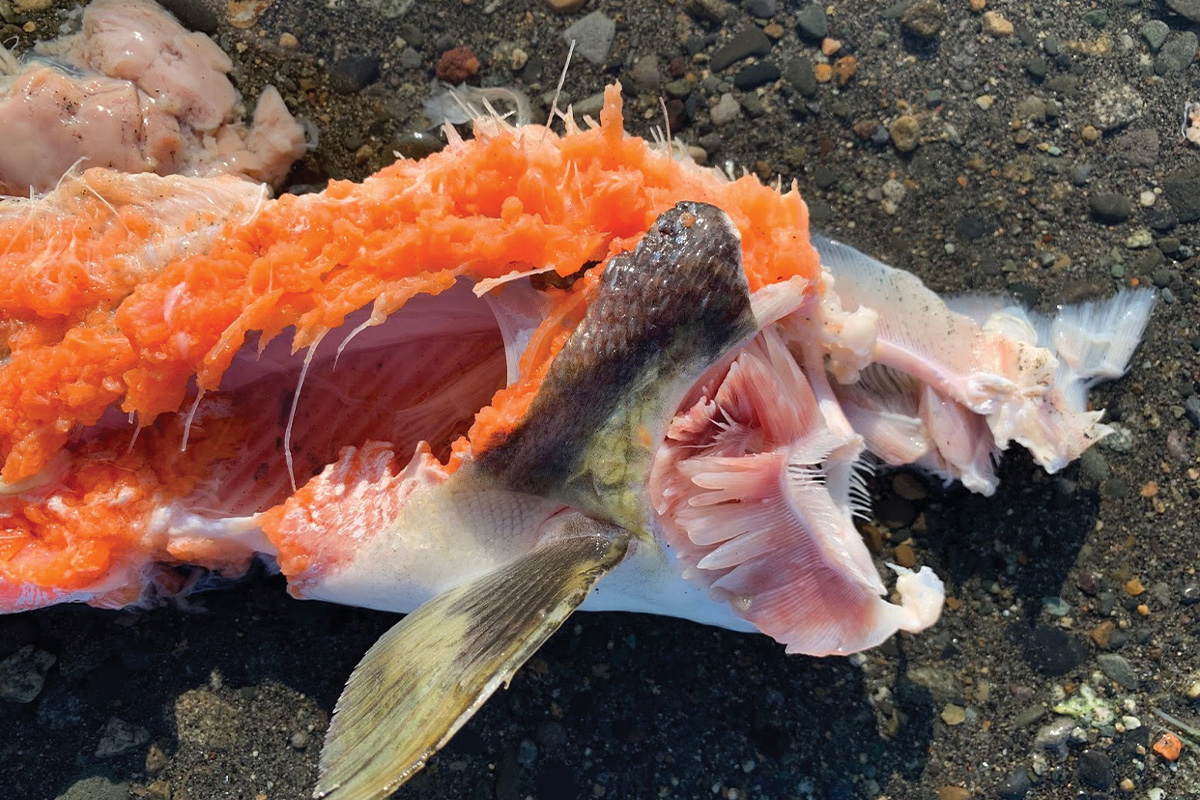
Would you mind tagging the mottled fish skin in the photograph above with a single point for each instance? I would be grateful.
(662, 315)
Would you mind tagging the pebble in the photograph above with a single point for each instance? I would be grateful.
(96, 787)
(1147, 198)
(593, 36)
(954, 714)
(299, 740)
(1095, 769)
(756, 75)
(763, 9)
(288, 41)
(811, 22)
(120, 737)
(799, 73)
(1052, 651)
(355, 73)
(953, 793)
(726, 110)
(1054, 734)
(1186, 8)
(1032, 108)
(1097, 17)
(1182, 190)
(941, 684)
(1118, 106)
(1155, 33)
(905, 131)
(527, 753)
(1016, 785)
(1056, 606)
(1177, 54)
(996, 24)
(749, 42)
(1110, 208)
(707, 10)
(23, 674)
(923, 18)
(565, 6)
(645, 73)
(1139, 239)
(1117, 668)
(844, 69)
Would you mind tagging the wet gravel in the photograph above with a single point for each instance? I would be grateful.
(1023, 148)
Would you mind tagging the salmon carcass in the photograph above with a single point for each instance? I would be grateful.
(530, 373)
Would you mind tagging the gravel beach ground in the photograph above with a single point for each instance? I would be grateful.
(1023, 147)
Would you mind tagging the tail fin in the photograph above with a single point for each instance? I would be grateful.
(1094, 341)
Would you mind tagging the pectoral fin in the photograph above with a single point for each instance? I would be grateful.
(426, 676)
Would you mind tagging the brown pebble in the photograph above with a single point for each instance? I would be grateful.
(1091, 134)
(288, 41)
(1101, 635)
(905, 130)
(457, 64)
(905, 556)
(908, 486)
(773, 30)
(844, 69)
(996, 24)
(565, 6)
(978, 5)
(1150, 489)
(830, 46)
(953, 793)
(1134, 587)
(824, 73)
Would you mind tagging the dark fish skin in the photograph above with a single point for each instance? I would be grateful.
(661, 316)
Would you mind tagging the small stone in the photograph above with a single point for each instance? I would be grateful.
(1102, 634)
(299, 740)
(941, 684)
(726, 110)
(1090, 134)
(31, 6)
(1117, 668)
(748, 42)
(1117, 107)
(995, 24)
(1095, 769)
(1110, 208)
(120, 737)
(763, 9)
(1182, 190)
(288, 41)
(756, 75)
(978, 5)
(1056, 606)
(1186, 8)
(96, 787)
(593, 36)
(1139, 240)
(355, 73)
(527, 753)
(905, 556)
(923, 18)
(1054, 734)
(23, 674)
(1177, 54)
(823, 73)
(985, 101)
(908, 486)
(1052, 651)
(645, 73)
(1032, 108)
(1097, 17)
(565, 6)
(905, 131)
(707, 10)
(799, 73)
(1016, 785)
(953, 714)
(1146, 199)
(811, 22)
(1134, 586)
(844, 70)
(1155, 33)
(1037, 67)
(953, 793)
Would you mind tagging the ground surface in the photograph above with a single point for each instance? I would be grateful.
(1061, 586)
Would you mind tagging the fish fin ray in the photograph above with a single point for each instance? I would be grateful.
(428, 675)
